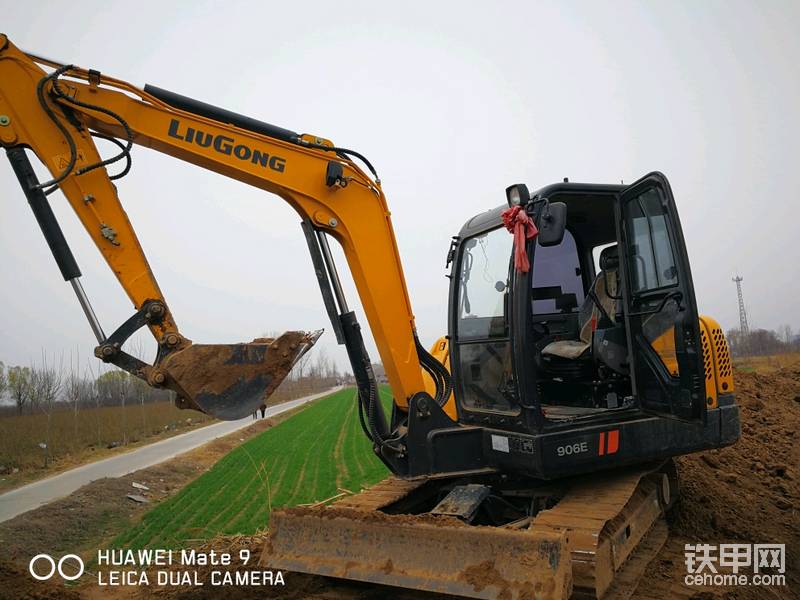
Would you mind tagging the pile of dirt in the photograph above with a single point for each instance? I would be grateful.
(748, 493)
(751, 489)
(16, 582)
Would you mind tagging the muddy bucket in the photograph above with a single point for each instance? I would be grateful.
(231, 381)
(427, 552)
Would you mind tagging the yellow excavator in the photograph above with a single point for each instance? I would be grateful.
(530, 447)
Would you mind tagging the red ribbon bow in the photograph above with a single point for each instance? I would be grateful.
(522, 227)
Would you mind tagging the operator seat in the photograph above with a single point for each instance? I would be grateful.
(600, 304)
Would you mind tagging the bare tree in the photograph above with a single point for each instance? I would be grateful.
(137, 349)
(334, 372)
(785, 334)
(320, 367)
(47, 384)
(19, 386)
(3, 380)
(74, 388)
(757, 342)
(300, 367)
(122, 388)
(95, 396)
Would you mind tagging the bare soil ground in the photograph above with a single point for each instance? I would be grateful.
(748, 493)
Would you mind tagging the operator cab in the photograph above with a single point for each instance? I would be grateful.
(578, 331)
(591, 330)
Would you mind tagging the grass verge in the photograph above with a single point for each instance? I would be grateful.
(307, 458)
(766, 364)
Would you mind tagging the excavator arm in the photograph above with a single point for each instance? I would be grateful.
(57, 114)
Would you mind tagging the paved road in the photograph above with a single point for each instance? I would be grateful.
(41, 492)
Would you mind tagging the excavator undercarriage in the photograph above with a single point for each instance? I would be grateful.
(587, 537)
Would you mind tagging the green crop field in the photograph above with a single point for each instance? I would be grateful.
(306, 458)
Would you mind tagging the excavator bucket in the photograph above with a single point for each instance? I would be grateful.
(428, 552)
(231, 381)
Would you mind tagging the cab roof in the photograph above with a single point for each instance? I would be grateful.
(585, 213)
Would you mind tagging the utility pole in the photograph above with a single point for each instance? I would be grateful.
(743, 327)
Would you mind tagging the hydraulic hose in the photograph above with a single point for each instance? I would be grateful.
(437, 371)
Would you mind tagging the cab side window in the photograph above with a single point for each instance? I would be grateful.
(652, 260)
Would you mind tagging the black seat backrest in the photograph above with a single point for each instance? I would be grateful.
(609, 258)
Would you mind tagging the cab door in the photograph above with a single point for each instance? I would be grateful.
(659, 303)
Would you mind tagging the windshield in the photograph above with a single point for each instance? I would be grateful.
(483, 282)
(483, 350)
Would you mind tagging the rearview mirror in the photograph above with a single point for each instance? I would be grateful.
(552, 224)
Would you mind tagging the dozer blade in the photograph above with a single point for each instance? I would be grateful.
(231, 381)
(433, 553)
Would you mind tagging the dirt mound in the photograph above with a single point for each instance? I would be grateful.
(747, 493)
(750, 490)
(16, 582)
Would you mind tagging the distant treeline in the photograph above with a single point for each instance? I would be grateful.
(49, 386)
(48, 411)
(43, 388)
(762, 342)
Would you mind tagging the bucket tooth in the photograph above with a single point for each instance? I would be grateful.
(231, 381)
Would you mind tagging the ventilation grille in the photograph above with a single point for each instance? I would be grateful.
(721, 350)
(707, 361)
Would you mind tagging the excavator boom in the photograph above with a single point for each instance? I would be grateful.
(57, 115)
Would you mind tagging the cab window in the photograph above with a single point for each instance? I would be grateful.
(556, 274)
(652, 260)
(482, 347)
(483, 283)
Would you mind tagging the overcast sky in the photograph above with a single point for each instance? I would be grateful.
(452, 102)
